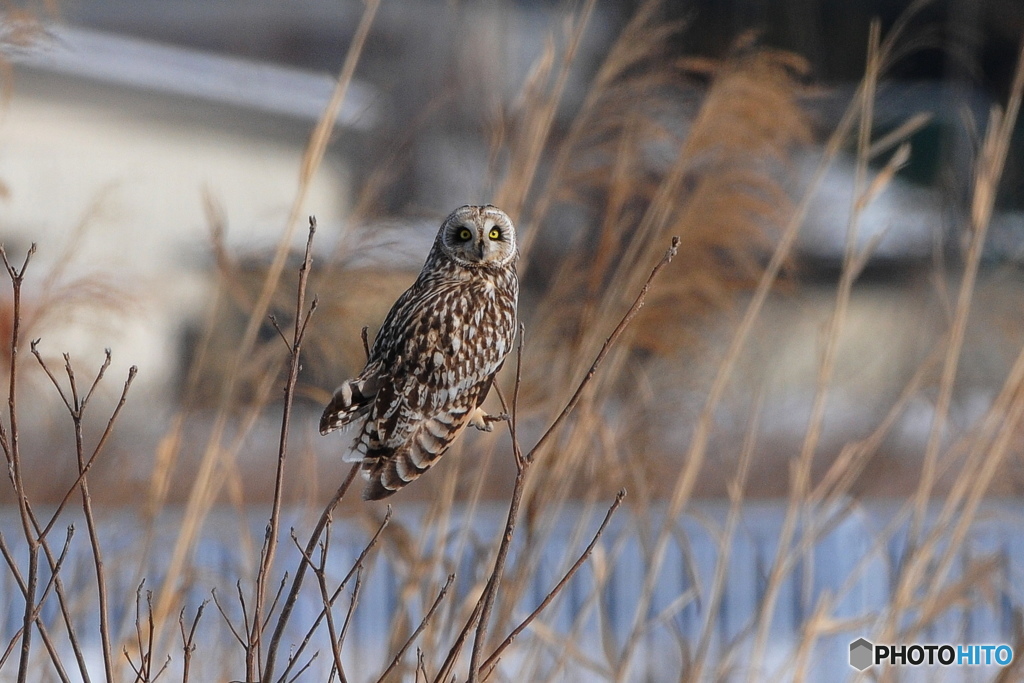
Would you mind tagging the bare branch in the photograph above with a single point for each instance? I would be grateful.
(280, 333)
(419, 629)
(493, 659)
(513, 424)
(96, 381)
(46, 369)
(227, 620)
(277, 598)
(65, 613)
(460, 642)
(309, 316)
(132, 371)
(321, 577)
(53, 584)
(348, 615)
(252, 658)
(638, 303)
(13, 453)
(354, 571)
(241, 602)
(491, 589)
(293, 594)
(17, 275)
(188, 641)
(303, 669)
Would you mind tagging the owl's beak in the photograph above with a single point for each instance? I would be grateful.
(480, 245)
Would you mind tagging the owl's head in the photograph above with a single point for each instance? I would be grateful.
(475, 236)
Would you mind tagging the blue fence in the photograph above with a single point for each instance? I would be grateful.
(852, 566)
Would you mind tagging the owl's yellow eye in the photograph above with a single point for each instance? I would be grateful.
(464, 234)
(494, 233)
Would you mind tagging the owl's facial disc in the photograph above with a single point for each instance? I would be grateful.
(479, 235)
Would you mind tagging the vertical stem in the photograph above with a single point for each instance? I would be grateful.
(499, 566)
(300, 573)
(90, 522)
(253, 651)
(13, 454)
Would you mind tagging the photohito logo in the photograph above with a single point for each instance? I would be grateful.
(864, 653)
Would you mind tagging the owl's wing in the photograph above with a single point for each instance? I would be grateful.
(355, 397)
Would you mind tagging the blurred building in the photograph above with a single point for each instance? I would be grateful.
(119, 155)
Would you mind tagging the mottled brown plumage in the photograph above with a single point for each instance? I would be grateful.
(435, 357)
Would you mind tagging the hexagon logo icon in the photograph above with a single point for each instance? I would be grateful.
(861, 651)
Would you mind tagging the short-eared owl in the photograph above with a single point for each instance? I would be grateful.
(435, 356)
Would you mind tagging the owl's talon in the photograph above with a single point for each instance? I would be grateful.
(484, 422)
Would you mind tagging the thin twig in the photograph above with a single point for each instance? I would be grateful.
(132, 371)
(305, 666)
(96, 380)
(51, 585)
(43, 631)
(280, 333)
(491, 589)
(277, 598)
(56, 384)
(513, 423)
(14, 462)
(419, 629)
(354, 571)
(638, 303)
(348, 615)
(241, 602)
(188, 641)
(300, 572)
(140, 670)
(252, 654)
(493, 659)
(319, 571)
(460, 642)
(227, 620)
(77, 412)
(421, 666)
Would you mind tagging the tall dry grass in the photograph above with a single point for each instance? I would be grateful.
(638, 173)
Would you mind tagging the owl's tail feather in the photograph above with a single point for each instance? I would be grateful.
(351, 400)
(390, 470)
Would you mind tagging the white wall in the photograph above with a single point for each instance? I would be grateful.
(125, 188)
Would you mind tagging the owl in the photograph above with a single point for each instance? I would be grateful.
(434, 359)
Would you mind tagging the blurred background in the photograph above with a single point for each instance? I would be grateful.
(162, 156)
(153, 149)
